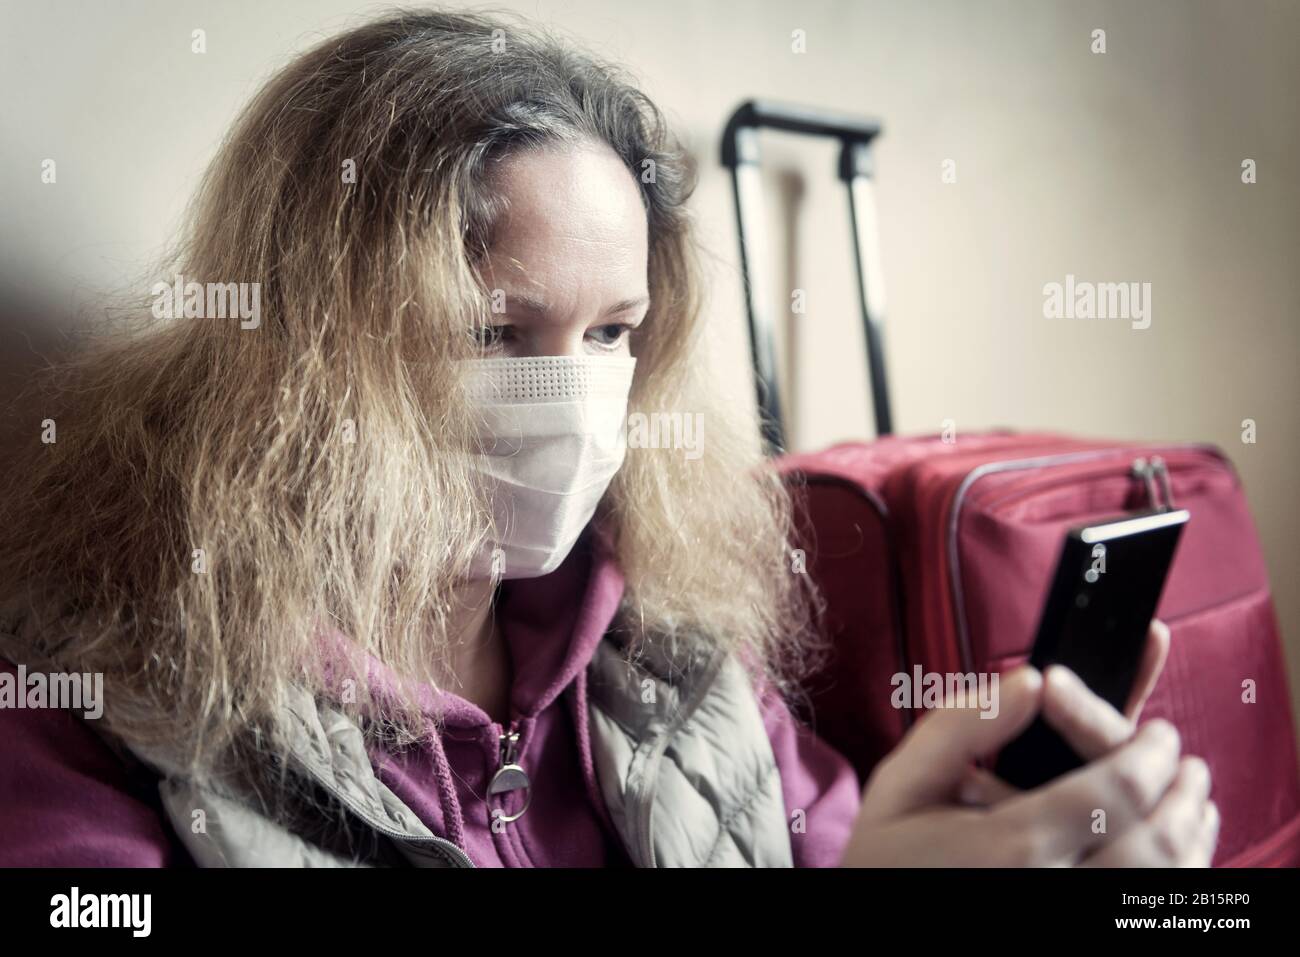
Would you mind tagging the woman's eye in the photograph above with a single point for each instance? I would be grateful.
(610, 335)
(489, 336)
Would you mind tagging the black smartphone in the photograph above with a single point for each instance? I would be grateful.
(1095, 621)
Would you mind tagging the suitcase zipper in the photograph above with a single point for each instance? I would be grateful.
(1153, 476)
(1150, 474)
(1146, 472)
(995, 501)
(1162, 473)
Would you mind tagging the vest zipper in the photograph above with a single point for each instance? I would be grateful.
(641, 797)
(448, 849)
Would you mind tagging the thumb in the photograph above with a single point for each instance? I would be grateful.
(934, 757)
(1154, 654)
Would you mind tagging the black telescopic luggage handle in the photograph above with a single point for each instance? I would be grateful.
(740, 153)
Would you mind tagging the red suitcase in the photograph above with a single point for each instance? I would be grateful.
(937, 551)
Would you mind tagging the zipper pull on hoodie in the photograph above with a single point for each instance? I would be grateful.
(509, 777)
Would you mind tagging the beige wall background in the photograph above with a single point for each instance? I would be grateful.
(1116, 167)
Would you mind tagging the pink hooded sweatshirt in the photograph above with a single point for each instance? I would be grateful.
(67, 801)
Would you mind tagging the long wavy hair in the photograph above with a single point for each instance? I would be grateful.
(216, 494)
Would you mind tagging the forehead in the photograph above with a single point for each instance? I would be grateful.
(574, 224)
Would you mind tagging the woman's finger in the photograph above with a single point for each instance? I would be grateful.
(1202, 854)
(934, 757)
(1175, 831)
(1069, 817)
(1154, 656)
(1090, 725)
(982, 788)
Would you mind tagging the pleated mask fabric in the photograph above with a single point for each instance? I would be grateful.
(553, 433)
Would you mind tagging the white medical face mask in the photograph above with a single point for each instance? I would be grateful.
(553, 434)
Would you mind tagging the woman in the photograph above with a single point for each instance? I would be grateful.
(373, 579)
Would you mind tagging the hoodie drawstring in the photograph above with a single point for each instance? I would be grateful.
(453, 818)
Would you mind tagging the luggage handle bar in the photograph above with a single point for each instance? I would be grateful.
(740, 153)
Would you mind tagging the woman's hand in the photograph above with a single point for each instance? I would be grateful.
(926, 804)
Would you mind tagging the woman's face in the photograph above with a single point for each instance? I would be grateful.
(569, 261)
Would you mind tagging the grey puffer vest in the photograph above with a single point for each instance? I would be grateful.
(681, 754)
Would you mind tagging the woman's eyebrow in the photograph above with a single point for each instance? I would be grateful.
(523, 301)
(528, 303)
(626, 305)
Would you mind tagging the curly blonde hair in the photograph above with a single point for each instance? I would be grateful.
(200, 434)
